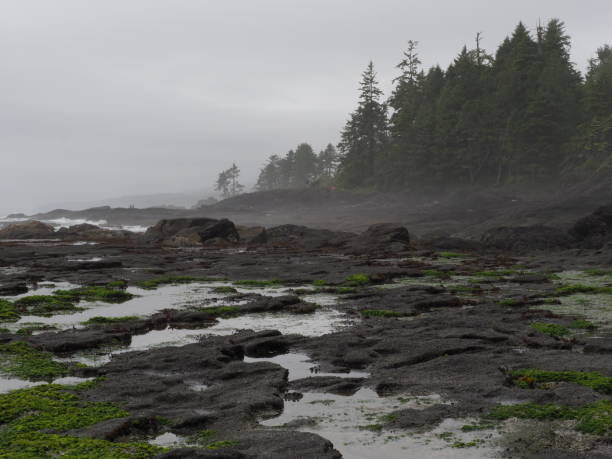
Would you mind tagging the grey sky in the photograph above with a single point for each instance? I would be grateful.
(111, 97)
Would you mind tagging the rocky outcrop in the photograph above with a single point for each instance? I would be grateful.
(382, 237)
(521, 238)
(295, 236)
(192, 232)
(594, 230)
(87, 232)
(31, 229)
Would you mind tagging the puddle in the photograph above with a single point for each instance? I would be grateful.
(300, 366)
(167, 439)
(8, 384)
(82, 260)
(595, 308)
(44, 288)
(350, 423)
(323, 321)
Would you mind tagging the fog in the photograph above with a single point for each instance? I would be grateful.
(108, 98)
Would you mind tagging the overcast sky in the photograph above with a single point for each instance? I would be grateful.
(102, 98)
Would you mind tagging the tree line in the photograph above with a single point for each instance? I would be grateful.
(523, 115)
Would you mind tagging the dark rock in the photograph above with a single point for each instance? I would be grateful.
(328, 384)
(522, 238)
(191, 231)
(419, 419)
(252, 234)
(27, 230)
(596, 229)
(87, 232)
(294, 236)
(382, 237)
(199, 453)
(13, 288)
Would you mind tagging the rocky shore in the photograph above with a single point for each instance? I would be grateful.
(205, 338)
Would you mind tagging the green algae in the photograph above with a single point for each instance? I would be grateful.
(572, 289)
(319, 283)
(582, 325)
(593, 418)
(224, 289)
(356, 280)
(44, 305)
(94, 293)
(529, 378)
(553, 330)
(23, 361)
(8, 313)
(33, 420)
(100, 320)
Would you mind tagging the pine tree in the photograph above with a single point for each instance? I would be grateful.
(327, 161)
(227, 182)
(304, 165)
(364, 138)
(405, 101)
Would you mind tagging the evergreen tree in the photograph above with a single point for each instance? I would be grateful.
(327, 161)
(227, 182)
(364, 138)
(304, 165)
(406, 100)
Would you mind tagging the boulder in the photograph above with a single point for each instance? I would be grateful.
(594, 230)
(192, 232)
(382, 237)
(31, 229)
(302, 237)
(88, 232)
(521, 238)
(252, 234)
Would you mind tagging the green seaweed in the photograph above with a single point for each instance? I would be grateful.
(356, 280)
(54, 409)
(344, 290)
(529, 378)
(21, 360)
(94, 293)
(319, 282)
(593, 418)
(553, 330)
(44, 305)
(100, 320)
(598, 272)
(224, 289)
(571, 289)
(438, 274)
(582, 324)
(8, 313)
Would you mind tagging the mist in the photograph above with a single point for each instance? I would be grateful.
(105, 99)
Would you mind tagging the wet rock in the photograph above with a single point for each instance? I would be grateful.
(522, 238)
(31, 229)
(75, 340)
(294, 236)
(13, 288)
(284, 444)
(426, 418)
(191, 231)
(252, 234)
(88, 232)
(328, 384)
(594, 230)
(382, 237)
(450, 243)
(199, 453)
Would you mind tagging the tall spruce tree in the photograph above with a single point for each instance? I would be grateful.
(405, 100)
(365, 136)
